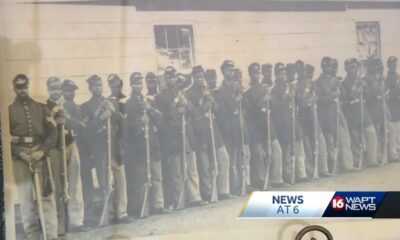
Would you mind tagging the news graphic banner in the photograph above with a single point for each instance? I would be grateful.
(322, 204)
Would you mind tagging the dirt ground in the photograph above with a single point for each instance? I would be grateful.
(219, 221)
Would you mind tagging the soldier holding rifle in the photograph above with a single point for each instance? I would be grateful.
(33, 135)
(265, 151)
(212, 156)
(393, 103)
(314, 141)
(142, 152)
(362, 132)
(66, 163)
(96, 113)
(375, 96)
(287, 127)
(182, 179)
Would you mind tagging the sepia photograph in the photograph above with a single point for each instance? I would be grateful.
(200, 119)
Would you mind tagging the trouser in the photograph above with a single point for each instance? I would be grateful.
(118, 173)
(29, 212)
(174, 179)
(259, 161)
(339, 151)
(369, 146)
(383, 143)
(75, 209)
(299, 157)
(239, 168)
(136, 179)
(394, 140)
(322, 155)
(205, 166)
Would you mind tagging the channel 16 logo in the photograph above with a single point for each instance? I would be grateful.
(353, 203)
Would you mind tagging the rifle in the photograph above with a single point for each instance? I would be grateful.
(336, 155)
(182, 199)
(214, 173)
(65, 177)
(293, 150)
(385, 133)
(360, 162)
(269, 151)
(243, 166)
(109, 189)
(38, 192)
(316, 138)
(144, 212)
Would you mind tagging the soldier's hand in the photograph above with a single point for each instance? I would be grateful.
(182, 110)
(61, 120)
(106, 114)
(239, 97)
(24, 156)
(36, 165)
(206, 105)
(145, 119)
(145, 106)
(37, 155)
(109, 106)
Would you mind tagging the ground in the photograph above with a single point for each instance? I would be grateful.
(219, 221)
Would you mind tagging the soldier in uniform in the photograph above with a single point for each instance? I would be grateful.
(257, 109)
(73, 198)
(32, 137)
(140, 111)
(95, 113)
(172, 104)
(266, 70)
(353, 88)
(376, 96)
(327, 87)
(229, 98)
(310, 123)
(75, 125)
(203, 102)
(393, 85)
(282, 118)
(211, 78)
(345, 151)
(152, 84)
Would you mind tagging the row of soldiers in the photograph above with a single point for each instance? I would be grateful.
(192, 143)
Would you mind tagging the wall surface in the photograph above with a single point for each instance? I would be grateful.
(75, 41)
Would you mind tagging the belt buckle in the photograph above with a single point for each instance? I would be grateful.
(28, 139)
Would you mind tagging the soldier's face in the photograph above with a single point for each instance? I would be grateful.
(199, 79)
(267, 73)
(116, 89)
(22, 92)
(256, 76)
(54, 93)
(152, 86)
(281, 76)
(137, 87)
(212, 82)
(228, 73)
(69, 95)
(353, 70)
(392, 66)
(96, 88)
(171, 80)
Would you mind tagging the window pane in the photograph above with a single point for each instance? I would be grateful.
(172, 37)
(167, 57)
(368, 34)
(159, 34)
(185, 58)
(185, 36)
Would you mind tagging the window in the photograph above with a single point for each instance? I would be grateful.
(369, 42)
(174, 46)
